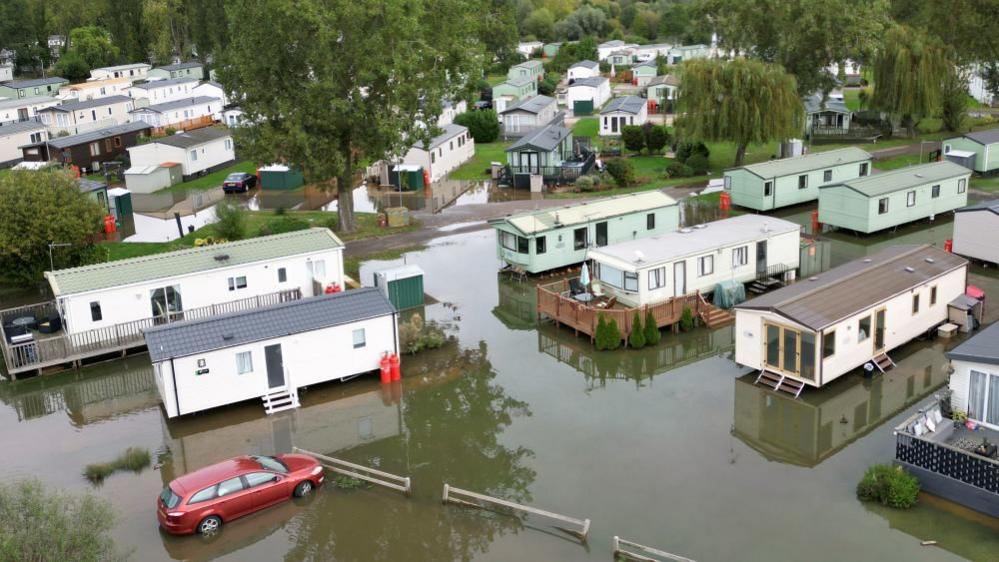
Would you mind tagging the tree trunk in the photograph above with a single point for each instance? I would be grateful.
(345, 193)
(740, 153)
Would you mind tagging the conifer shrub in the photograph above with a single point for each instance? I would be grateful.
(652, 335)
(637, 337)
(687, 319)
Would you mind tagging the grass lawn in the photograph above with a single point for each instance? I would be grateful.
(586, 127)
(259, 223)
(897, 162)
(478, 167)
(213, 179)
(494, 79)
(851, 97)
(985, 184)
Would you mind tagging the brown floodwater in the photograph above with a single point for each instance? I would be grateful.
(671, 446)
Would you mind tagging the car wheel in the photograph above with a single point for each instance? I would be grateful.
(210, 525)
(303, 489)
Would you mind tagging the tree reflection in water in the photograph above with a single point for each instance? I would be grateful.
(453, 417)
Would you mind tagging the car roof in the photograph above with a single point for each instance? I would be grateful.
(203, 477)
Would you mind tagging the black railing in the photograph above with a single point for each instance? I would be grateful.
(949, 461)
(566, 173)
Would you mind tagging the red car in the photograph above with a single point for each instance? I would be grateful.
(205, 499)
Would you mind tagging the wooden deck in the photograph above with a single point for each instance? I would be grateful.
(61, 349)
(555, 303)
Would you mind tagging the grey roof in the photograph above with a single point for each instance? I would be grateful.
(87, 104)
(857, 286)
(992, 205)
(86, 186)
(176, 104)
(160, 83)
(180, 66)
(586, 64)
(518, 81)
(25, 102)
(981, 348)
(626, 104)
(32, 82)
(73, 140)
(814, 104)
(190, 261)
(990, 136)
(183, 339)
(193, 138)
(668, 79)
(533, 104)
(903, 178)
(546, 138)
(591, 81)
(612, 43)
(19, 127)
(806, 162)
(123, 66)
(450, 131)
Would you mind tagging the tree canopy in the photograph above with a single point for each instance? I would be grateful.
(909, 73)
(744, 101)
(93, 44)
(333, 84)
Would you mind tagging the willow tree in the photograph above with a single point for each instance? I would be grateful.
(332, 85)
(910, 69)
(741, 101)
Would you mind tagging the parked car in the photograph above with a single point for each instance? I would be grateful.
(483, 104)
(203, 500)
(239, 182)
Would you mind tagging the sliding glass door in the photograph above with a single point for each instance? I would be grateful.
(789, 351)
(983, 397)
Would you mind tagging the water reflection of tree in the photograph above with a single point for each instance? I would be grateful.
(453, 418)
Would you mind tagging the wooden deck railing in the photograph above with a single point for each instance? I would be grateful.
(65, 348)
(555, 303)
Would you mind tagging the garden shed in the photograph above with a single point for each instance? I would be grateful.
(978, 151)
(402, 286)
(975, 229)
(280, 176)
(888, 199)
(406, 177)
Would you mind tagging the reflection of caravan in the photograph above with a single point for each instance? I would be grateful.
(813, 428)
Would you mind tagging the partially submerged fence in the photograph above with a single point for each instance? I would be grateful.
(578, 528)
(385, 479)
(633, 551)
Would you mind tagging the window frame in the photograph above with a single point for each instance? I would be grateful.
(884, 210)
(578, 244)
(867, 334)
(541, 245)
(935, 191)
(962, 185)
(703, 271)
(803, 181)
(630, 280)
(933, 295)
(234, 282)
(650, 221)
(742, 251)
(656, 278)
(915, 304)
(827, 349)
(768, 188)
(910, 198)
(96, 314)
(827, 175)
(865, 169)
(363, 342)
(248, 355)
(282, 274)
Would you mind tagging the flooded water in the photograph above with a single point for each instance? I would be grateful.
(672, 446)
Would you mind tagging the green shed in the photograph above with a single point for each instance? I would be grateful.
(402, 286)
(873, 203)
(279, 176)
(406, 177)
(582, 107)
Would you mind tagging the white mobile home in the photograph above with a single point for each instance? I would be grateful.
(976, 231)
(23, 109)
(820, 328)
(974, 384)
(583, 69)
(181, 114)
(198, 152)
(271, 351)
(15, 135)
(80, 116)
(587, 94)
(446, 152)
(621, 112)
(656, 269)
(96, 89)
(528, 115)
(134, 71)
(161, 91)
(163, 286)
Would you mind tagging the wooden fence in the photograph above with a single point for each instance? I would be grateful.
(634, 551)
(186, 125)
(579, 528)
(400, 483)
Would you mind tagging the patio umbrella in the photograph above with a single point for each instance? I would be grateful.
(584, 275)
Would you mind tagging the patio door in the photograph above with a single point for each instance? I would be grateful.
(530, 160)
(879, 331)
(275, 366)
(782, 350)
(679, 278)
(166, 303)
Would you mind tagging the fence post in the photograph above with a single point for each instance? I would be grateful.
(444, 497)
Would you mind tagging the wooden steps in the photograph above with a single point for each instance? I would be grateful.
(280, 399)
(883, 362)
(716, 317)
(781, 383)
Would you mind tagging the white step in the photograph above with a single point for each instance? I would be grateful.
(280, 400)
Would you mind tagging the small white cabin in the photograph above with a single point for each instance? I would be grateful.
(134, 71)
(15, 135)
(445, 153)
(823, 327)
(974, 384)
(198, 152)
(160, 91)
(181, 114)
(976, 231)
(203, 364)
(165, 286)
(658, 268)
(583, 69)
(622, 112)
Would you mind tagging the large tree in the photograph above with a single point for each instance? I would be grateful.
(42, 208)
(331, 85)
(743, 101)
(94, 46)
(909, 72)
(803, 36)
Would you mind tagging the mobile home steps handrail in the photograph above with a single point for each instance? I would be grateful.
(580, 527)
(399, 483)
(626, 549)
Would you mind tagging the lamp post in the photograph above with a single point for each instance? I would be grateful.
(55, 245)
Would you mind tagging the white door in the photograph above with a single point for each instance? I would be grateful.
(679, 278)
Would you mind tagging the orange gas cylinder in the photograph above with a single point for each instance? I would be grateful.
(109, 224)
(385, 369)
(328, 290)
(394, 363)
(949, 245)
(426, 178)
(815, 221)
(725, 201)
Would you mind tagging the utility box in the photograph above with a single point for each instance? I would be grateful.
(120, 204)
(402, 286)
(397, 216)
(406, 177)
(280, 177)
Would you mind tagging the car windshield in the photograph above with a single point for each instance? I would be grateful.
(271, 463)
(169, 498)
(233, 177)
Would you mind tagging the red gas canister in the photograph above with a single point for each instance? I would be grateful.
(815, 221)
(426, 178)
(109, 224)
(385, 369)
(949, 245)
(724, 201)
(396, 368)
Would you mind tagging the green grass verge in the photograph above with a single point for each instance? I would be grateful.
(586, 127)
(135, 459)
(985, 184)
(213, 179)
(478, 167)
(897, 162)
(352, 264)
(494, 79)
(851, 97)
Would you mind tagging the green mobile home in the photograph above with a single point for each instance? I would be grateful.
(546, 147)
(643, 73)
(977, 151)
(790, 181)
(623, 57)
(550, 50)
(528, 70)
(889, 199)
(513, 89)
(551, 238)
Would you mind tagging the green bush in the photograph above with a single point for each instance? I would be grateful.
(656, 137)
(416, 335)
(232, 221)
(585, 183)
(889, 485)
(698, 164)
(284, 224)
(652, 335)
(677, 169)
(622, 171)
(687, 319)
(608, 335)
(483, 124)
(613, 335)
(600, 335)
(633, 137)
(636, 339)
(133, 458)
(685, 150)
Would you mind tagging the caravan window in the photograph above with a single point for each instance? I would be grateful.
(827, 175)
(705, 265)
(829, 344)
(961, 185)
(863, 329)
(933, 295)
(803, 181)
(915, 304)
(740, 256)
(910, 199)
(650, 221)
(237, 282)
(863, 169)
(935, 192)
(540, 244)
(630, 281)
(282, 275)
(579, 238)
(95, 312)
(610, 275)
(768, 188)
(882, 205)
(657, 278)
(244, 362)
(359, 338)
